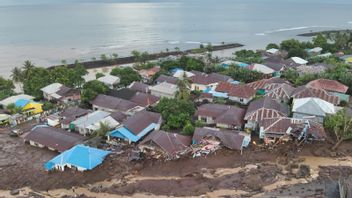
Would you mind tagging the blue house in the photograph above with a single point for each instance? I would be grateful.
(80, 156)
(137, 126)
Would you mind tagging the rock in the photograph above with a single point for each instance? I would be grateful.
(303, 171)
(14, 192)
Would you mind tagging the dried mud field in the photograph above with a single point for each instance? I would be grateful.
(286, 171)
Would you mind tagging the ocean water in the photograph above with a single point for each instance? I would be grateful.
(48, 31)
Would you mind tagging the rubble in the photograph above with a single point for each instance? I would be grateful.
(205, 147)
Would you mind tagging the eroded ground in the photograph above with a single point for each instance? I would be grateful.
(310, 171)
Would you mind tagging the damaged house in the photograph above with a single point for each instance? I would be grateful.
(261, 109)
(285, 128)
(223, 116)
(164, 144)
(210, 138)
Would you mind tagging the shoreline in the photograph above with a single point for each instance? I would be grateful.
(130, 59)
(311, 34)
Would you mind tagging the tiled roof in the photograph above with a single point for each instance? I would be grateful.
(239, 90)
(141, 120)
(114, 103)
(328, 85)
(279, 91)
(307, 92)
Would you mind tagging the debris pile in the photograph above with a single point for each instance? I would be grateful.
(206, 146)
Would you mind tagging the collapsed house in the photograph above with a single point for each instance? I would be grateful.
(284, 128)
(161, 144)
(207, 140)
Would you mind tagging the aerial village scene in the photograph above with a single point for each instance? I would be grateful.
(260, 123)
(269, 122)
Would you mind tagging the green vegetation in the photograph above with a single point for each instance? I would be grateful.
(6, 88)
(242, 74)
(188, 129)
(176, 113)
(248, 56)
(140, 58)
(91, 89)
(340, 125)
(272, 46)
(103, 129)
(48, 106)
(99, 75)
(127, 75)
(13, 109)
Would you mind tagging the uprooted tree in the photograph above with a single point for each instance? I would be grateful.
(341, 126)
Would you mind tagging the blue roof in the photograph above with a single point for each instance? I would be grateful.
(235, 82)
(22, 102)
(81, 156)
(215, 93)
(240, 64)
(175, 69)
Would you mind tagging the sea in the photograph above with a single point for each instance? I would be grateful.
(49, 31)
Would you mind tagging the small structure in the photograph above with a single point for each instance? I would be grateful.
(71, 114)
(285, 128)
(164, 89)
(82, 123)
(230, 139)
(4, 119)
(267, 71)
(242, 94)
(113, 104)
(137, 126)
(139, 87)
(311, 69)
(276, 63)
(59, 92)
(53, 138)
(161, 143)
(53, 120)
(310, 92)
(333, 87)
(202, 81)
(11, 100)
(123, 93)
(80, 157)
(281, 92)
(223, 116)
(295, 62)
(110, 80)
(147, 74)
(273, 51)
(314, 51)
(261, 109)
(205, 97)
(312, 108)
(169, 79)
(181, 74)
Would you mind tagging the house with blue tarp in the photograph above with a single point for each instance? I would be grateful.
(228, 63)
(80, 157)
(137, 126)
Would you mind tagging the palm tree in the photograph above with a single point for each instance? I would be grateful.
(184, 88)
(28, 66)
(104, 128)
(17, 75)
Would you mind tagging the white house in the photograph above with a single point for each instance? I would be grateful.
(109, 80)
(164, 89)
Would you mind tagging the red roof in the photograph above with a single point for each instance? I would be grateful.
(241, 91)
(328, 85)
(260, 84)
(307, 92)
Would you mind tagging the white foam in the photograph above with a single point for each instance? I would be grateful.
(111, 47)
(296, 28)
(173, 42)
(193, 42)
(260, 34)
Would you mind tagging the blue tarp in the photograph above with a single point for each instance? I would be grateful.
(22, 102)
(215, 93)
(80, 156)
(240, 64)
(174, 70)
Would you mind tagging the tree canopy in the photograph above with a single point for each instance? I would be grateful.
(127, 75)
(176, 113)
(6, 88)
(242, 74)
(91, 89)
(248, 56)
(340, 125)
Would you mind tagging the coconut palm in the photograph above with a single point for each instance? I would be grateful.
(17, 75)
(28, 67)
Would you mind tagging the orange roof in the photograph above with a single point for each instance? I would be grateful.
(328, 85)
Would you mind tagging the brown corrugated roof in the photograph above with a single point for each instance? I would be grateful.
(230, 139)
(55, 138)
(279, 126)
(307, 92)
(118, 116)
(279, 90)
(111, 102)
(168, 79)
(265, 108)
(72, 113)
(144, 99)
(328, 85)
(206, 79)
(141, 120)
(260, 84)
(138, 86)
(222, 114)
(171, 143)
